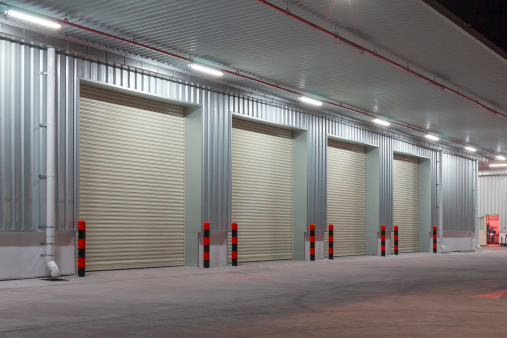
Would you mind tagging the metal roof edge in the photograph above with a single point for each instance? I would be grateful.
(467, 28)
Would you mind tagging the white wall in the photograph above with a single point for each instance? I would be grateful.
(20, 254)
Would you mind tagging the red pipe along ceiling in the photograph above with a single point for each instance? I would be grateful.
(375, 54)
(339, 105)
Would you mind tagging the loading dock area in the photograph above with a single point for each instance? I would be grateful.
(414, 294)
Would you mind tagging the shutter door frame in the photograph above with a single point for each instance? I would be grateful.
(350, 162)
(131, 180)
(261, 202)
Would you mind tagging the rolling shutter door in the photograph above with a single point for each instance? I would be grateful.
(131, 180)
(346, 197)
(406, 201)
(262, 191)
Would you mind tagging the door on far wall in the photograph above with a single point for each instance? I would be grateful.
(493, 229)
(483, 236)
(261, 199)
(406, 201)
(131, 180)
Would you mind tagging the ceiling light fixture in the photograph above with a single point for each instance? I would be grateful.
(471, 149)
(496, 165)
(350, 46)
(310, 101)
(250, 78)
(435, 85)
(500, 157)
(381, 122)
(432, 137)
(33, 19)
(205, 69)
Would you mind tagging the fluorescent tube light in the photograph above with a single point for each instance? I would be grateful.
(205, 69)
(310, 101)
(470, 149)
(500, 157)
(432, 137)
(34, 19)
(496, 165)
(381, 122)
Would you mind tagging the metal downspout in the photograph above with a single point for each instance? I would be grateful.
(54, 271)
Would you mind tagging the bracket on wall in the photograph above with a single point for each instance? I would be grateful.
(43, 177)
(42, 125)
(43, 227)
(46, 255)
(43, 73)
(44, 243)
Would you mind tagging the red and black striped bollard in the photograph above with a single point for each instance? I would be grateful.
(312, 242)
(234, 244)
(383, 240)
(205, 258)
(395, 239)
(331, 241)
(81, 248)
(434, 239)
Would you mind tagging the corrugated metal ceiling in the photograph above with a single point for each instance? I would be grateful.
(256, 40)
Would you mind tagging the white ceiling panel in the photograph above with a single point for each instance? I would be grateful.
(249, 37)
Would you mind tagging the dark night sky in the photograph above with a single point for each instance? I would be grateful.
(488, 17)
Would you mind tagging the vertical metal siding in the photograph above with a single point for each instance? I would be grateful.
(22, 141)
(22, 147)
(317, 173)
(492, 194)
(216, 193)
(353, 133)
(458, 195)
(66, 215)
(386, 182)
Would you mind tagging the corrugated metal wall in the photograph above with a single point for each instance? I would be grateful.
(492, 189)
(459, 204)
(22, 149)
(22, 141)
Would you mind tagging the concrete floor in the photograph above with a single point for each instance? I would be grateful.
(411, 295)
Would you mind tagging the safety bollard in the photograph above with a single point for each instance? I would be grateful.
(331, 241)
(395, 239)
(234, 244)
(383, 240)
(434, 239)
(312, 242)
(81, 248)
(206, 234)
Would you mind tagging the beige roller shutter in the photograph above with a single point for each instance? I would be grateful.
(346, 197)
(262, 191)
(131, 180)
(406, 201)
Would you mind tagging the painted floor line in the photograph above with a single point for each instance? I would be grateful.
(494, 294)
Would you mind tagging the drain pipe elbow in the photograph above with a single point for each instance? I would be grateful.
(54, 271)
